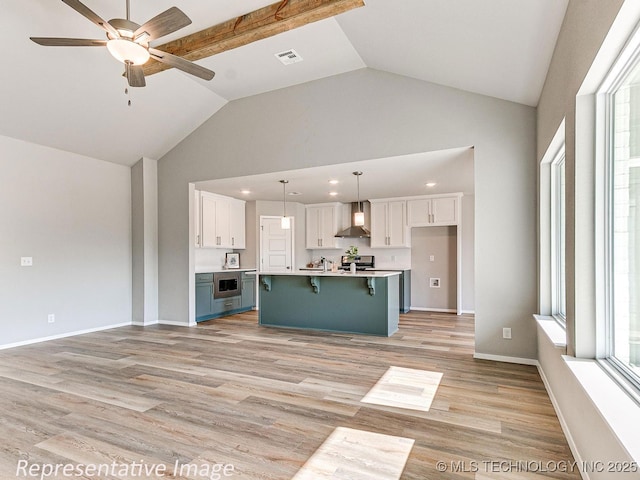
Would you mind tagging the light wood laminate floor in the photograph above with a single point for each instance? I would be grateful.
(266, 400)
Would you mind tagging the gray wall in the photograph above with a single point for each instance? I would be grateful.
(441, 242)
(363, 115)
(584, 29)
(72, 214)
(144, 242)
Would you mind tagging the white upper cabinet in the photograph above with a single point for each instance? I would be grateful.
(237, 224)
(440, 210)
(196, 217)
(389, 224)
(323, 222)
(222, 222)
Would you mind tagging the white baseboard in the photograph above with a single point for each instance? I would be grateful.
(505, 359)
(176, 323)
(563, 423)
(470, 312)
(143, 324)
(437, 310)
(63, 335)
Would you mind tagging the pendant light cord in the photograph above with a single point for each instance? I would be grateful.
(284, 197)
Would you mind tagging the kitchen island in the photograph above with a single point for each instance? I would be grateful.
(362, 302)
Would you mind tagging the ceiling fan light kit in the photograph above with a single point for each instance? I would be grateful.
(128, 42)
(127, 51)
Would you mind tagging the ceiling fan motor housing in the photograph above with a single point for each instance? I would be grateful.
(127, 49)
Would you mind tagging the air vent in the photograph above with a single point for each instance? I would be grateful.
(289, 57)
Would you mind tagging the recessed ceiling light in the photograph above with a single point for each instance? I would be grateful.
(431, 184)
(333, 182)
(245, 192)
(333, 194)
(294, 193)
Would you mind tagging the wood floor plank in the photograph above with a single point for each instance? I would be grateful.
(264, 400)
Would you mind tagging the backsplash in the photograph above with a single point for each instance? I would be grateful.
(213, 258)
(396, 258)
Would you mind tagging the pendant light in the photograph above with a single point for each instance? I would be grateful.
(358, 217)
(285, 222)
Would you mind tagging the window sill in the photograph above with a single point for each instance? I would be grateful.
(619, 411)
(553, 330)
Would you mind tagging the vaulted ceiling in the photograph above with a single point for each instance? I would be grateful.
(73, 98)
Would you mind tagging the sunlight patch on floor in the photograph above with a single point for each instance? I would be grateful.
(405, 388)
(349, 454)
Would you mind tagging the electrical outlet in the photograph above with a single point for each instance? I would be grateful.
(432, 258)
(51, 318)
(434, 282)
(506, 333)
(26, 261)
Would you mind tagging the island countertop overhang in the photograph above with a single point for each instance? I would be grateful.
(319, 273)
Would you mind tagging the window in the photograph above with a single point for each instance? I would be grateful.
(558, 257)
(623, 218)
(552, 207)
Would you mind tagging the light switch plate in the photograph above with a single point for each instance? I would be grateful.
(26, 261)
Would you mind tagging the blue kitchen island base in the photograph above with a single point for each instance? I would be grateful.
(350, 303)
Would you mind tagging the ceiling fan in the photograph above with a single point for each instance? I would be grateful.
(128, 42)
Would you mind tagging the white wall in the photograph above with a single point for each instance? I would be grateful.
(363, 115)
(72, 214)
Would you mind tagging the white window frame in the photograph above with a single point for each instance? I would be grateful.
(548, 229)
(622, 67)
(558, 243)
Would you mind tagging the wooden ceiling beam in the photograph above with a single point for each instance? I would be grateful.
(257, 25)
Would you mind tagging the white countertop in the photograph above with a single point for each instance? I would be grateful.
(220, 269)
(339, 273)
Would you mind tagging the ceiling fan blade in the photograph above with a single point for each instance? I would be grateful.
(164, 23)
(135, 75)
(181, 64)
(82, 9)
(68, 42)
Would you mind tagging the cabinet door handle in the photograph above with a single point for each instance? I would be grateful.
(230, 304)
(233, 241)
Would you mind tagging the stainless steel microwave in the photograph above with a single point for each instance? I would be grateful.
(226, 284)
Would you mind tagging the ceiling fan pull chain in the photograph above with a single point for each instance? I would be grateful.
(127, 65)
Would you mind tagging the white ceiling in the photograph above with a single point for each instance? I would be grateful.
(73, 98)
(451, 170)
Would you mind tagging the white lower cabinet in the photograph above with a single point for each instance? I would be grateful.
(221, 221)
(389, 224)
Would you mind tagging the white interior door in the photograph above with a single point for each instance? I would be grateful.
(276, 245)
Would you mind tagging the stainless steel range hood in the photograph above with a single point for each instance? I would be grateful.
(355, 231)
